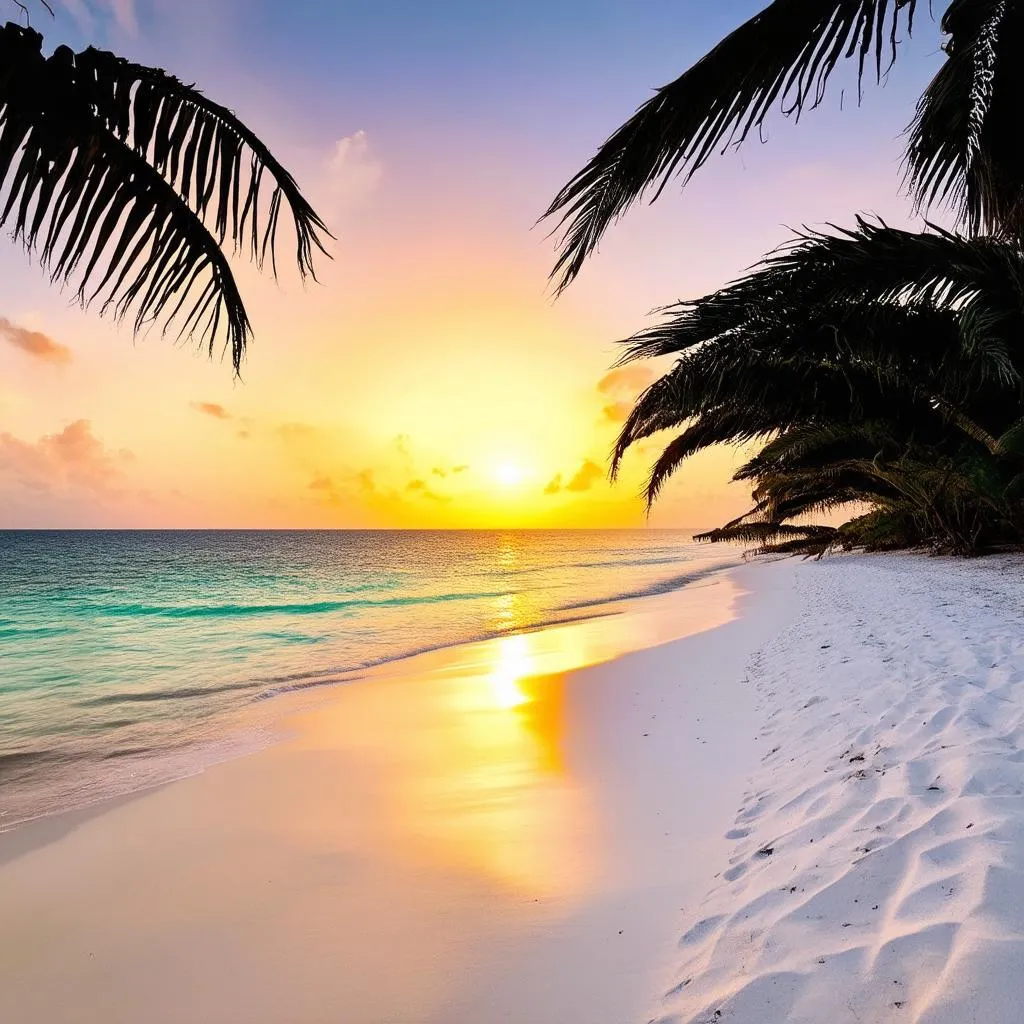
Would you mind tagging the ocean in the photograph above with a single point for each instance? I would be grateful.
(124, 654)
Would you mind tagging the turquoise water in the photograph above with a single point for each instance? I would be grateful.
(122, 651)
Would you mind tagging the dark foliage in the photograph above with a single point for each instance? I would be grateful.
(964, 147)
(129, 183)
(876, 368)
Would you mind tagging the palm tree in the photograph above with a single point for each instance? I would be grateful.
(876, 366)
(964, 145)
(128, 182)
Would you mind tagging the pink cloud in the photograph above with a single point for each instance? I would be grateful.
(73, 459)
(627, 380)
(217, 411)
(34, 343)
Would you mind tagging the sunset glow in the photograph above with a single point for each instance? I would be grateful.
(430, 379)
(508, 474)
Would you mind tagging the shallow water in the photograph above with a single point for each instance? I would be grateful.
(121, 649)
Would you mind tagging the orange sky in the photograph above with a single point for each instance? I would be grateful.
(429, 380)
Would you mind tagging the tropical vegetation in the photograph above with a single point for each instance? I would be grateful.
(874, 371)
(135, 187)
(880, 367)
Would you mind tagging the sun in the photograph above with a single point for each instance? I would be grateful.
(509, 474)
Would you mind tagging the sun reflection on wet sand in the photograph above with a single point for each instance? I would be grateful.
(468, 747)
(512, 665)
(490, 789)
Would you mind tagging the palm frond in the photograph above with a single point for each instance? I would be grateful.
(775, 538)
(962, 150)
(107, 171)
(785, 55)
(720, 426)
(875, 270)
(876, 367)
(216, 162)
(1012, 440)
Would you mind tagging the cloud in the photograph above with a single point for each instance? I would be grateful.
(617, 412)
(420, 488)
(85, 12)
(586, 476)
(34, 343)
(627, 380)
(353, 172)
(217, 411)
(296, 433)
(623, 385)
(80, 12)
(443, 471)
(326, 489)
(123, 14)
(554, 485)
(350, 487)
(72, 459)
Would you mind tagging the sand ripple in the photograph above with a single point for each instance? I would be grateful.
(878, 866)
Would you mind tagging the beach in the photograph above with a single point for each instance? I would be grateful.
(473, 834)
(878, 864)
(792, 793)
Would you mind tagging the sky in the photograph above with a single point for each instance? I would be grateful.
(431, 379)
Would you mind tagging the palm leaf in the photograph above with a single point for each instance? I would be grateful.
(877, 271)
(1012, 440)
(785, 55)
(217, 163)
(775, 538)
(962, 149)
(107, 171)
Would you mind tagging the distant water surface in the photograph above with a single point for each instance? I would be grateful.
(122, 650)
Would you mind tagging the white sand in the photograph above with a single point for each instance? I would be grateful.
(477, 836)
(877, 871)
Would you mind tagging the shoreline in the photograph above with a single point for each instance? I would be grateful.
(251, 727)
(418, 849)
(810, 808)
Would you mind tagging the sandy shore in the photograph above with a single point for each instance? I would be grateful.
(484, 834)
(877, 870)
(812, 812)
